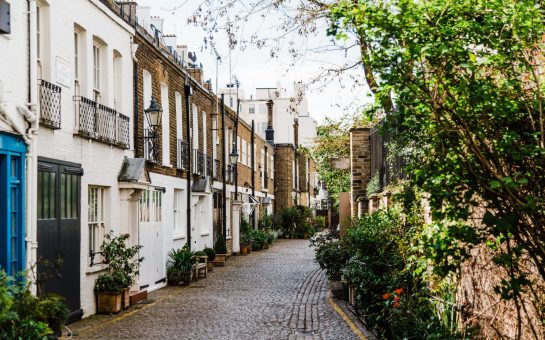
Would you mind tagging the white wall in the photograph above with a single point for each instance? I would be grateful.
(101, 163)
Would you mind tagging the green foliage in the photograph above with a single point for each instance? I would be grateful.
(374, 185)
(332, 256)
(180, 260)
(25, 316)
(123, 261)
(200, 253)
(468, 88)
(266, 222)
(220, 247)
(295, 221)
(259, 239)
(110, 283)
(211, 253)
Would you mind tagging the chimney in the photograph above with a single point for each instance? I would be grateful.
(208, 85)
(170, 41)
(181, 50)
(296, 132)
(157, 22)
(128, 8)
(269, 132)
(143, 15)
(195, 73)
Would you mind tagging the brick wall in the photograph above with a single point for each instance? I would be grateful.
(360, 165)
(283, 167)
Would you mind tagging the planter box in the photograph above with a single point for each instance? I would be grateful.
(125, 298)
(137, 296)
(219, 261)
(180, 279)
(108, 303)
(244, 250)
(210, 265)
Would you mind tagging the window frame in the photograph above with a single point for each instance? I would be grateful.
(97, 226)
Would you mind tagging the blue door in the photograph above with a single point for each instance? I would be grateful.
(12, 203)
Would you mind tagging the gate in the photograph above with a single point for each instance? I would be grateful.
(59, 205)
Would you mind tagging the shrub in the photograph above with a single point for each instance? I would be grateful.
(266, 222)
(180, 260)
(259, 239)
(211, 253)
(200, 253)
(220, 247)
(122, 260)
(332, 256)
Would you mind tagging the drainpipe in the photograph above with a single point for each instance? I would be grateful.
(187, 92)
(253, 170)
(224, 168)
(236, 148)
(32, 115)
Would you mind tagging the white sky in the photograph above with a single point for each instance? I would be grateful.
(255, 68)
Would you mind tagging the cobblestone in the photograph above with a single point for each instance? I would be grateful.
(279, 293)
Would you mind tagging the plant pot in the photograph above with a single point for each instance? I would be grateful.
(125, 298)
(180, 279)
(244, 250)
(210, 265)
(108, 303)
(219, 261)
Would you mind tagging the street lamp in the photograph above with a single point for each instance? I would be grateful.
(153, 117)
(233, 156)
(153, 114)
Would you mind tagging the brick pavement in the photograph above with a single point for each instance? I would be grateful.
(279, 293)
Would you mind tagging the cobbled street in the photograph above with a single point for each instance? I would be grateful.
(279, 293)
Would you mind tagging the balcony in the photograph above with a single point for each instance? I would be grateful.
(217, 169)
(199, 162)
(230, 174)
(182, 155)
(50, 104)
(101, 123)
(209, 166)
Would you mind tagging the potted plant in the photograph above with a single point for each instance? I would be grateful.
(245, 243)
(123, 265)
(221, 251)
(211, 253)
(180, 266)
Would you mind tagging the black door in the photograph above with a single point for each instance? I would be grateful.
(59, 187)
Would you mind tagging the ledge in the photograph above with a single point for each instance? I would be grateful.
(96, 269)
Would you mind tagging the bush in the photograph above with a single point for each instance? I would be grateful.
(180, 260)
(294, 221)
(332, 256)
(211, 253)
(200, 253)
(220, 247)
(122, 260)
(259, 239)
(266, 222)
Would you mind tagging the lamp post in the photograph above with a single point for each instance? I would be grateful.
(153, 117)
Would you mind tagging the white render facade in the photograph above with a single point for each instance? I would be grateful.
(84, 64)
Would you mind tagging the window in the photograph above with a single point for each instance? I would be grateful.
(96, 71)
(195, 130)
(76, 56)
(96, 219)
(179, 215)
(151, 206)
(179, 115)
(117, 77)
(39, 28)
(204, 134)
(251, 108)
(262, 108)
(244, 156)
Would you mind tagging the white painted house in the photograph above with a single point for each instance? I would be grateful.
(85, 74)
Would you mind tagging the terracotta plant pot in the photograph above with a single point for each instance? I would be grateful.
(108, 303)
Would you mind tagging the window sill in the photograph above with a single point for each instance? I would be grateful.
(178, 237)
(95, 269)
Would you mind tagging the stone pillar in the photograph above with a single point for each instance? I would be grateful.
(360, 167)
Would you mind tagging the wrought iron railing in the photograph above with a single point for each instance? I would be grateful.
(150, 146)
(199, 160)
(217, 169)
(265, 180)
(209, 166)
(50, 104)
(230, 174)
(182, 155)
(101, 123)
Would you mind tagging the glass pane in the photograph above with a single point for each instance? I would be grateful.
(14, 250)
(52, 195)
(40, 198)
(46, 194)
(75, 192)
(63, 196)
(14, 162)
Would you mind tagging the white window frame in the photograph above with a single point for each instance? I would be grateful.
(96, 218)
(97, 69)
(165, 122)
(178, 211)
(150, 206)
(39, 33)
(251, 109)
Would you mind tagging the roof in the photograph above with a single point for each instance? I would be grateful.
(133, 170)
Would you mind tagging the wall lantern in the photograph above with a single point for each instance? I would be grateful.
(153, 114)
(233, 156)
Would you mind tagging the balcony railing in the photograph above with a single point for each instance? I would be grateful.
(217, 169)
(50, 105)
(150, 146)
(230, 174)
(101, 123)
(209, 166)
(182, 155)
(265, 180)
(199, 160)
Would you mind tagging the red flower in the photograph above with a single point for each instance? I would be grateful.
(386, 296)
(399, 291)
(396, 298)
(396, 305)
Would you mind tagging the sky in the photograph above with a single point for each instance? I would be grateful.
(255, 67)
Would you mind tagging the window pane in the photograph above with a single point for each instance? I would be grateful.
(74, 196)
(63, 195)
(40, 199)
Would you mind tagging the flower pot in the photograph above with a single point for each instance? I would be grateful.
(179, 279)
(210, 265)
(244, 250)
(108, 303)
(219, 261)
(125, 298)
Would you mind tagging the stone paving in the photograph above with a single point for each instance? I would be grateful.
(279, 293)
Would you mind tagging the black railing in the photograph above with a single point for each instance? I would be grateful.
(209, 166)
(101, 123)
(182, 155)
(230, 174)
(50, 104)
(217, 169)
(199, 160)
(151, 153)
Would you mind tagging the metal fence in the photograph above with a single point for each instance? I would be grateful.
(199, 160)
(50, 105)
(182, 155)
